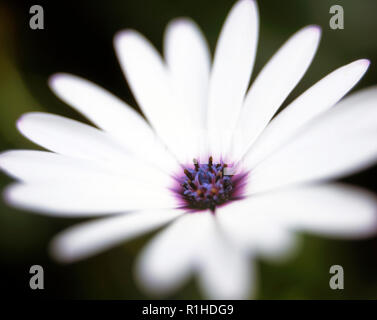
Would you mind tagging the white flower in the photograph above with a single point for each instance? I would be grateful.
(132, 171)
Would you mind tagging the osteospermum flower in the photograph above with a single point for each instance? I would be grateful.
(230, 183)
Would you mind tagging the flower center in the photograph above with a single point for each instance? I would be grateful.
(209, 185)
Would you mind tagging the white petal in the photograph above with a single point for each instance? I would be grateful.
(194, 242)
(188, 61)
(329, 209)
(75, 139)
(68, 137)
(170, 257)
(32, 165)
(316, 100)
(101, 107)
(224, 269)
(85, 198)
(247, 225)
(90, 238)
(273, 85)
(232, 66)
(148, 78)
(338, 143)
(110, 114)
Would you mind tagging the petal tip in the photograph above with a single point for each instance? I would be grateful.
(57, 252)
(245, 5)
(5, 158)
(55, 78)
(4, 154)
(121, 35)
(8, 195)
(364, 62)
(247, 1)
(315, 29)
(2, 159)
(21, 120)
(180, 22)
(62, 83)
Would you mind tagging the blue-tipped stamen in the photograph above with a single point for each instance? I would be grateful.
(205, 186)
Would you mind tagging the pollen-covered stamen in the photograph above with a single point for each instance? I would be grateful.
(204, 186)
(196, 164)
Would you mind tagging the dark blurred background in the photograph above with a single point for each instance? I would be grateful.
(78, 39)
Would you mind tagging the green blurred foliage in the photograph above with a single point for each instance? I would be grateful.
(28, 58)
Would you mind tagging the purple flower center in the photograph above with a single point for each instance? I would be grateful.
(209, 185)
